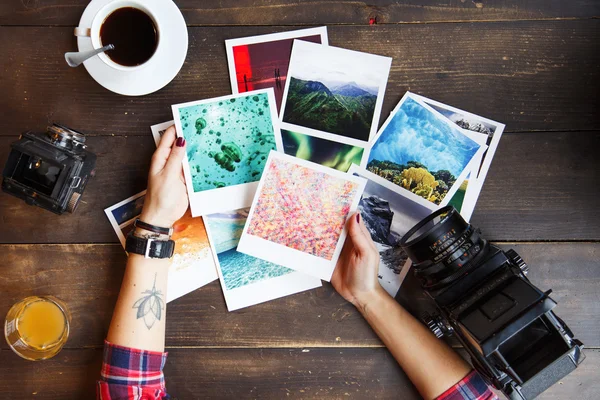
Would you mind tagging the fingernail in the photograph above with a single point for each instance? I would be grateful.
(180, 142)
(358, 217)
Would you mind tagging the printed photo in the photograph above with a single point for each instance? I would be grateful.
(159, 129)
(329, 153)
(491, 130)
(260, 62)
(299, 214)
(228, 140)
(247, 280)
(192, 266)
(388, 216)
(335, 90)
(422, 153)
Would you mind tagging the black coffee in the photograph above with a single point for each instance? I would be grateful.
(133, 33)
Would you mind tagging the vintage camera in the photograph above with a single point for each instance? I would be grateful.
(49, 169)
(484, 298)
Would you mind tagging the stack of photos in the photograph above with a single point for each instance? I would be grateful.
(424, 155)
(246, 280)
(487, 129)
(193, 265)
(331, 103)
(159, 129)
(388, 215)
(298, 217)
(228, 140)
(260, 62)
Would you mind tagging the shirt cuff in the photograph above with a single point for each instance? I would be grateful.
(471, 387)
(129, 366)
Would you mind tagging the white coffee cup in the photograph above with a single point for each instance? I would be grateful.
(93, 32)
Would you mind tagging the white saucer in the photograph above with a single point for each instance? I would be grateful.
(156, 73)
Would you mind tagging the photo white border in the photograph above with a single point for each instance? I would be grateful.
(230, 197)
(270, 37)
(286, 256)
(160, 127)
(459, 179)
(360, 57)
(473, 190)
(263, 290)
(113, 222)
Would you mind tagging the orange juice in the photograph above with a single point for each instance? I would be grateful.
(36, 328)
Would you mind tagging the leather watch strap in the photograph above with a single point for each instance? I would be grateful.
(149, 248)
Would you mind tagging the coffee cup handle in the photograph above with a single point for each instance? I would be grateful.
(85, 32)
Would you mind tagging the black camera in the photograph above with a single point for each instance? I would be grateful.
(49, 169)
(484, 298)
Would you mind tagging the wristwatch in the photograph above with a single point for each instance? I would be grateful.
(149, 247)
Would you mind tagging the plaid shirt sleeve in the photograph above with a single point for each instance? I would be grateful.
(471, 387)
(131, 374)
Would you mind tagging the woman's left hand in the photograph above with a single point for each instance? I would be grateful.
(166, 199)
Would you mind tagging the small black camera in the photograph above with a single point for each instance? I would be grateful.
(484, 298)
(49, 169)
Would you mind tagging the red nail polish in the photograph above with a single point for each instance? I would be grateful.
(180, 142)
(358, 217)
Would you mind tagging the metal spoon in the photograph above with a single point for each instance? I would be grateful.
(76, 58)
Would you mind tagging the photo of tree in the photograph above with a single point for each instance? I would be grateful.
(420, 153)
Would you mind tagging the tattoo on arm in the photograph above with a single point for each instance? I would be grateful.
(150, 306)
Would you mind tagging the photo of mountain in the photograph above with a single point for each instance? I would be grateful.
(333, 90)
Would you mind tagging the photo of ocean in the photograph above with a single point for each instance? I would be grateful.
(238, 269)
(228, 140)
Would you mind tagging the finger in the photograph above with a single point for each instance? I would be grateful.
(161, 155)
(173, 166)
(357, 235)
(363, 226)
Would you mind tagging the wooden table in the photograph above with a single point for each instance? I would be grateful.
(532, 64)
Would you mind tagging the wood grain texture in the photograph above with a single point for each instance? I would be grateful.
(288, 12)
(540, 76)
(309, 373)
(87, 278)
(525, 196)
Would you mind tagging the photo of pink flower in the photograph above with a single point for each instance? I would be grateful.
(302, 208)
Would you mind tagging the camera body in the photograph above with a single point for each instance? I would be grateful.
(483, 298)
(50, 169)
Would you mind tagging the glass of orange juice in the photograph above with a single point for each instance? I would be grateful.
(37, 328)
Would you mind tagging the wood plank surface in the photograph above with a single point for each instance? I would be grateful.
(525, 196)
(87, 278)
(530, 75)
(301, 373)
(289, 12)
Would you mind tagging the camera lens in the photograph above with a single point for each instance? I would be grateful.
(442, 248)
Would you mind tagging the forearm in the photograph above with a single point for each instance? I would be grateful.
(139, 317)
(431, 365)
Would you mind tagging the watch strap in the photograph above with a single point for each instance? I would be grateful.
(149, 248)
(152, 228)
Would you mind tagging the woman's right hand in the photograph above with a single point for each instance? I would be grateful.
(356, 274)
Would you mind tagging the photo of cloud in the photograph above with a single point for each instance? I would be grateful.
(335, 90)
(388, 216)
(127, 212)
(301, 208)
(328, 153)
(237, 269)
(470, 123)
(228, 139)
(260, 62)
(421, 153)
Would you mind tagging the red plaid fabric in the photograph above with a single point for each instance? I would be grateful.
(131, 374)
(471, 387)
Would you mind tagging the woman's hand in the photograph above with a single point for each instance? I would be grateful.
(166, 199)
(355, 275)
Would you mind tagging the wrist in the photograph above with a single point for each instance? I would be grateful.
(155, 219)
(370, 299)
